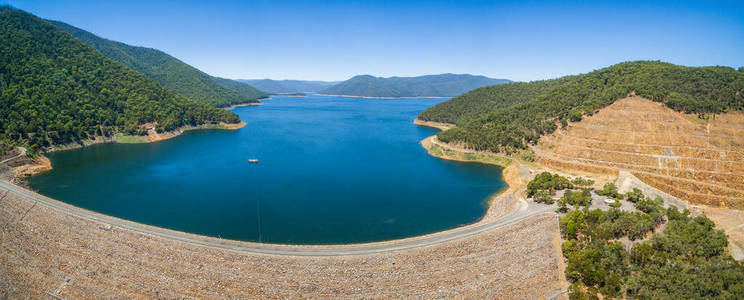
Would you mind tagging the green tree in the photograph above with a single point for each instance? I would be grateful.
(609, 189)
(634, 196)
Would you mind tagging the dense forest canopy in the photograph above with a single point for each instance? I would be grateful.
(508, 117)
(288, 86)
(170, 72)
(56, 89)
(484, 100)
(442, 85)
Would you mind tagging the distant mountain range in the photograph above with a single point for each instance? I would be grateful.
(169, 72)
(442, 85)
(288, 86)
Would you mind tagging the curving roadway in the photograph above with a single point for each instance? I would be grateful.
(526, 210)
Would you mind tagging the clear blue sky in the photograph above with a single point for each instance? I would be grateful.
(334, 40)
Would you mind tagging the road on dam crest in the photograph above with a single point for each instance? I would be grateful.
(526, 210)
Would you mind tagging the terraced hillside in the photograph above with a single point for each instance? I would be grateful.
(511, 117)
(701, 161)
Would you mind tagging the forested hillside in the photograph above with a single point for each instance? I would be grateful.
(288, 86)
(484, 100)
(170, 72)
(508, 117)
(56, 89)
(443, 85)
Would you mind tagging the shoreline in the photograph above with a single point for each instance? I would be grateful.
(374, 97)
(290, 96)
(141, 139)
(42, 164)
(515, 174)
(438, 125)
(503, 207)
(234, 106)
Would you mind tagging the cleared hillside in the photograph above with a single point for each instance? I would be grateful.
(56, 89)
(509, 117)
(698, 160)
(442, 85)
(170, 72)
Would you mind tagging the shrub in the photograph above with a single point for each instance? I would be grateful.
(609, 190)
(581, 181)
(635, 195)
(578, 198)
(547, 181)
(543, 196)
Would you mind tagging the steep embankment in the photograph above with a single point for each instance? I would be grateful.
(687, 140)
(442, 85)
(698, 160)
(170, 72)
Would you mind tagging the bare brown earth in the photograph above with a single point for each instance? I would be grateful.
(699, 161)
(35, 166)
(46, 251)
(696, 160)
(732, 222)
(17, 165)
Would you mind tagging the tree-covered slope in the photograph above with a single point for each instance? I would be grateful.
(288, 86)
(56, 89)
(442, 85)
(484, 100)
(511, 116)
(170, 72)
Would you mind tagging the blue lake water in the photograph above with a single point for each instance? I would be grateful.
(331, 170)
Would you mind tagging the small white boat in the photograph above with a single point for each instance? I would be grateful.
(253, 160)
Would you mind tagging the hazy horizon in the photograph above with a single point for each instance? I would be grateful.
(334, 41)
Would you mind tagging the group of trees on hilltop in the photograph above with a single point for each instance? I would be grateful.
(508, 117)
(55, 89)
(687, 261)
(617, 254)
